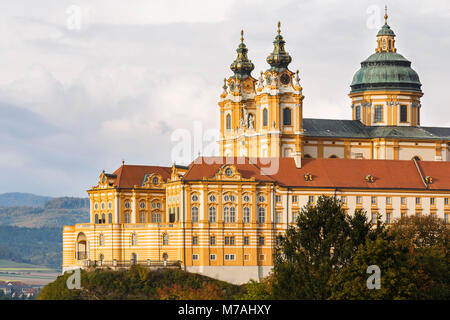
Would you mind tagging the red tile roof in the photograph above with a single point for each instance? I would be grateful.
(326, 173)
(330, 173)
(130, 175)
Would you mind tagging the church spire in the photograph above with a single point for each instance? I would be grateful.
(242, 66)
(279, 59)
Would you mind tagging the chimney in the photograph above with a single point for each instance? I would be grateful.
(298, 159)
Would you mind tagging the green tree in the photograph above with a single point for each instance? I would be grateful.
(413, 259)
(322, 242)
(259, 290)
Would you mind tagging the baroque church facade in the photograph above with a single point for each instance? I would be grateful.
(221, 216)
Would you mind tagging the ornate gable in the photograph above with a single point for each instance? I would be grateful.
(153, 180)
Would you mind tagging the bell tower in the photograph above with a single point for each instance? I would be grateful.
(264, 117)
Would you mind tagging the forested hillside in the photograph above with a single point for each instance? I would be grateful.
(31, 231)
(41, 246)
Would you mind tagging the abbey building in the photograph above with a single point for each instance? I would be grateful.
(221, 216)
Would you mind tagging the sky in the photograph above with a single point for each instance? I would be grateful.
(85, 85)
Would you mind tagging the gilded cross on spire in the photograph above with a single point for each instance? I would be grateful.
(279, 25)
(385, 14)
(242, 36)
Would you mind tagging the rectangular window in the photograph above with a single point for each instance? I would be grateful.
(358, 199)
(246, 241)
(403, 200)
(294, 216)
(432, 201)
(229, 241)
(374, 217)
(446, 218)
(357, 113)
(261, 241)
(195, 240)
(311, 199)
(195, 257)
(446, 201)
(212, 257)
(417, 200)
(403, 113)
(404, 215)
(261, 257)
(378, 113)
(294, 199)
(373, 200)
(212, 241)
(230, 257)
(388, 217)
(278, 199)
(246, 257)
(388, 200)
(278, 217)
(343, 199)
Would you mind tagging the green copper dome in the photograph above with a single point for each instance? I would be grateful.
(386, 31)
(385, 71)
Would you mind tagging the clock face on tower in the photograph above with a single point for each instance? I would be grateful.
(285, 79)
(248, 87)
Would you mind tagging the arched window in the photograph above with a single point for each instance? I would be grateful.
(212, 214)
(156, 218)
(333, 156)
(194, 214)
(103, 218)
(101, 240)
(142, 204)
(261, 215)
(228, 122)
(232, 215)
(165, 239)
(127, 217)
(133, 258)
(307, 156)
(96, 219)
(134, 239)
(142, 217)
(417, 158)
(102, 257)
(246, 215)
(265, 118)
(226, 214)
(286, 116)
(109, 218)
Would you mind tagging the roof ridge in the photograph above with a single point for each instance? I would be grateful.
(420, 173)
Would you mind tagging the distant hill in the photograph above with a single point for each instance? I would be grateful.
(54, 212)
(67, 203)
(17, 199)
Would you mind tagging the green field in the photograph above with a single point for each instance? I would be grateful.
(24, 272)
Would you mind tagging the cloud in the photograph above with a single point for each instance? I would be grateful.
(74, 102)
